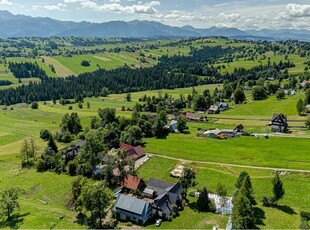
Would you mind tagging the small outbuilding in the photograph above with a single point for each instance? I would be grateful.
(279, 123)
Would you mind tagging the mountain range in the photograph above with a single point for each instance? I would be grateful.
(27, 26)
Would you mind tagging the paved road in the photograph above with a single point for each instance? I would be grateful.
(232, 165)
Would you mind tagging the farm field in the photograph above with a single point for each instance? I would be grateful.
(295, 200)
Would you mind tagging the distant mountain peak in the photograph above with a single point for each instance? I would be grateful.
(19, 26)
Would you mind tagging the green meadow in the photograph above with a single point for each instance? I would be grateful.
(296, 197)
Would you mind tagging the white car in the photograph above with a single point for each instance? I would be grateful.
(158, 222)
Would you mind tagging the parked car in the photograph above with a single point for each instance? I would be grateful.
(158, 222)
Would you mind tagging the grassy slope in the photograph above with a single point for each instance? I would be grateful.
(287, 217)
(48, 187)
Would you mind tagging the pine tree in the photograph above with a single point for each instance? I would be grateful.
(245, 178)
(278, 189)
(203, 201)
(243, 212)
(300, 106)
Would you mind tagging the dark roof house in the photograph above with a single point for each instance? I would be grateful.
(279, 123)
(128, 208)
(166, 196)
(133, 152)
(193, 117)
(74, 150)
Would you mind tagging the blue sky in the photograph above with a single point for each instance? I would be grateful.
(243, 14)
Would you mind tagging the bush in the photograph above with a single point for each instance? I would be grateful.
(85, 63)
(70, 107)
(40, 166)
(45, 134)
(72, 168)
(268, 201)
(34, 105)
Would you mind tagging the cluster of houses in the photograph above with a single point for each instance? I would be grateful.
(157, 200)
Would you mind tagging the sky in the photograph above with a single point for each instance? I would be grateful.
(242, 14)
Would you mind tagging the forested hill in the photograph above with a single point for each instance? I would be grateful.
(177, 71)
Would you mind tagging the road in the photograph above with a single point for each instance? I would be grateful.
(230, 165)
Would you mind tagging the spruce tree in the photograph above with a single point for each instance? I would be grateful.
(243, 212)
(278, 189)
(245, 178)
(203, 201)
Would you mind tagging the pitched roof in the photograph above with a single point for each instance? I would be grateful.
(131, 204)
(132, 182)
(281, 116)
(192, 116)
(138, 150)
(159, 186)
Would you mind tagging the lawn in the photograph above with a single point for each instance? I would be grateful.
(39, 188)
(286, 216)
(276, 152)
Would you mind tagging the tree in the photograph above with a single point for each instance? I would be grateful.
(280, 94)
(34, 105)
(239, 96)
(186, 179)
(221, 190)
(244, 178)
(278, 189)
(300, 107)
(51, 143)
(107, 116)
(71, 123)
(181, 124)
(203, 201)
(243, 213)
(128, 97)
(76, 192)
(28, 152)
(96, 199)
(9, 201)
(105, 92)
(85, 63)
(259, 93)
(132, 135)
(45, 134)
(200, 102)
(159, 129)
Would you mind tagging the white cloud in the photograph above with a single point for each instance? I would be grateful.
(140, 8)
(73, 1)
(58, 7)
(5, 2)
(295, 10)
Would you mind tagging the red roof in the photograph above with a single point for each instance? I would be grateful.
(132, 150)
(132, 182)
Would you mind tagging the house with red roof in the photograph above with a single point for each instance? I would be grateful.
(133, 152)
(133, 183)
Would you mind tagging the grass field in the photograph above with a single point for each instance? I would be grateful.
(39, 188)
(286, 216)
(60, 69)
(274, 152)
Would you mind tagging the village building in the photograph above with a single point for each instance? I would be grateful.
(132, 152)
(128, 208)
(173, 127)
(279, 123)
(133, 183)
(193, 117)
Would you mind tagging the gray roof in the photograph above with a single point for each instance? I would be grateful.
(159, 186)
(131, 204)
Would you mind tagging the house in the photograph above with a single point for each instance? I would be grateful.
(213, 133)
(193, 117)
(305, 84)
(165, 196)
(279, 123)
(132, 183)
(222, 106)
(74, 150)
(128, 208)
(213, 109)
(173, 127)
(290, 92)
(133, 152)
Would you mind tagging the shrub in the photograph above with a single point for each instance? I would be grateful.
(34, 105)
(45, 134)
(85, 63)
